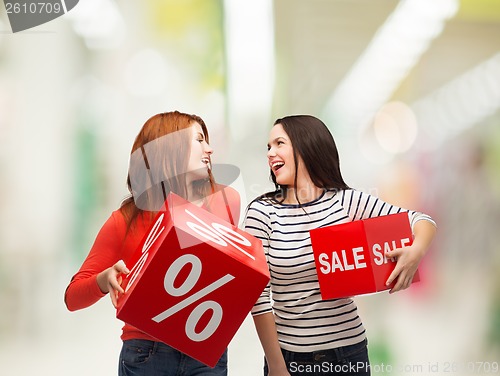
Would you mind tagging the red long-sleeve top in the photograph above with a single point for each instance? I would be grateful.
(114, 243)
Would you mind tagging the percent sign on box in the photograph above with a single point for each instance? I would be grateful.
(193, 280)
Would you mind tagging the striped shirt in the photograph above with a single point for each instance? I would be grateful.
(304, 322)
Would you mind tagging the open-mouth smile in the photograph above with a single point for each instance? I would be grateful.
(275, 166)
(206, 161)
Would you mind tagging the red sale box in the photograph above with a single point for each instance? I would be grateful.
(350, 257)
(193, 280)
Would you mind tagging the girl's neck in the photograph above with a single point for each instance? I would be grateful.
(304, 194)
(305, 190)
(195, 199)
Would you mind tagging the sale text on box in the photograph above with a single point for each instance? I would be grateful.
(350, 257)
(193, 280)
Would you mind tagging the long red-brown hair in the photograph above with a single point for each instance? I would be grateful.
(158, 164)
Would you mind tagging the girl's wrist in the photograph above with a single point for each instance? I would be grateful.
(418, 250)
(100, 283)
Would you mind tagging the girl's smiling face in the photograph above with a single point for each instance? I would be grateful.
(199, 159)
(280, 156)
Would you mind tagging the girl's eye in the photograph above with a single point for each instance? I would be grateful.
(280, 142)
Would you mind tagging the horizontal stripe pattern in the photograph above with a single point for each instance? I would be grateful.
(304, 321)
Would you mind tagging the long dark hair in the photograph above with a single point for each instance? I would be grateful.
(314, 144)
(158, 164)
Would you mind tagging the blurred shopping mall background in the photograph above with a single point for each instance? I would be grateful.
(410, 89)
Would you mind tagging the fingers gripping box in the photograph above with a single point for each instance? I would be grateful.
(350, 257)
(193, 280)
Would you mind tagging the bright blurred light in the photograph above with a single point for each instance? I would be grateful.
(394, 50)
(249, 36)
(395, 127)
(392, 131)
(460, 103)
(99, 23)
(146, 73)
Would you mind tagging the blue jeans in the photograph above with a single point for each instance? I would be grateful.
(147, 358)
(347, 360)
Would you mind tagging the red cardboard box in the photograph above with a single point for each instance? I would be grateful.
(350, 257)
(193, 280)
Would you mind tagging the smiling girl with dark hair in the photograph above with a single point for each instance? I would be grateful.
(300, 333)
